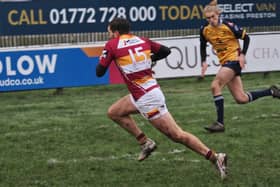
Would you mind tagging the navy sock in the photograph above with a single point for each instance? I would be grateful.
(257, 94)
(219, 103)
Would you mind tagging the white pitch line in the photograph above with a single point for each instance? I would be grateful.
(28, 133)
(53, 161)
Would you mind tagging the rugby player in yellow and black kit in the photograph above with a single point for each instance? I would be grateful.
(224, 37)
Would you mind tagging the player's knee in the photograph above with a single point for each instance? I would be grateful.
(111, 113)
(177, 137)
(241, 100)
(215, 86)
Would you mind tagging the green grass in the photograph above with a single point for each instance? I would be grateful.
(68, 140)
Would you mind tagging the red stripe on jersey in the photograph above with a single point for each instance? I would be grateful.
(140, 74)
(152, 87)
(135, 47)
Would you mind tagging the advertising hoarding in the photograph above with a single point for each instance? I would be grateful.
(48, 17)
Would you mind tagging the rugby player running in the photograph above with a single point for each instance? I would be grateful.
(133, 56)
(224, 37)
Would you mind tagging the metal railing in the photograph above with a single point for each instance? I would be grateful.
(79, 38)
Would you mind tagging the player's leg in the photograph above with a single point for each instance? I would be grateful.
(167, 125)
(275, 91)
(236, 88)
(222, 78)
(120, 112)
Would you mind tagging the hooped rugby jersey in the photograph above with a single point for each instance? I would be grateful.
(224, 39)
(132, 55)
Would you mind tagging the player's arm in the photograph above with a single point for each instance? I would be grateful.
(240, 33)
(104, 61)
(246, 42)
(163, 52)
(100, 70)
(159, 51)
(243, 52)
(203, 55)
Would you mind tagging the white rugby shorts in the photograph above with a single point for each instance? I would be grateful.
(151, 105)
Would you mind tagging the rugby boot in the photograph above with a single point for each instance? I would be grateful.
(146, 149)
(275, 91)
(215, 127)
(221, 164)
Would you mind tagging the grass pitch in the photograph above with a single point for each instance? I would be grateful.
(68, 140)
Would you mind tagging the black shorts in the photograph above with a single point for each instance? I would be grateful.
(234, 65)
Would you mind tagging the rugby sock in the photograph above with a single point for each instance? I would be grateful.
(211, 155)
(141, 138)
(257, 94)
(219, 103)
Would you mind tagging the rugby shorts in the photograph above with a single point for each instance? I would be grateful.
(234, 65)
(151, 105)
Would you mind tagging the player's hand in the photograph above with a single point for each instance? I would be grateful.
(242, 60)
(153, 64)
(203, 68)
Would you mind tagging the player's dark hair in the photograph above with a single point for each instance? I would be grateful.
(121, 25)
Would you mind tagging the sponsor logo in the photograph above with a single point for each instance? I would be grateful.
(26, 64)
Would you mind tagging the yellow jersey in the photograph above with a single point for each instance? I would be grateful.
(224, 39)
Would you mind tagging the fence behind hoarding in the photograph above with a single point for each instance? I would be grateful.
(60, 22)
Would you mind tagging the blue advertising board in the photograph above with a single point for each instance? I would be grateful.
(73, 16)
(49, 68)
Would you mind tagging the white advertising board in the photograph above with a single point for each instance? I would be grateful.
(263, 55)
